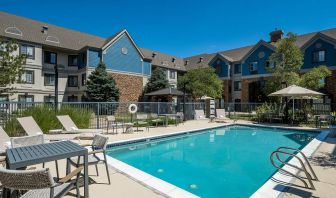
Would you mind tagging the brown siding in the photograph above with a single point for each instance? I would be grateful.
(226, 93)
(130, 86)
(331, 86)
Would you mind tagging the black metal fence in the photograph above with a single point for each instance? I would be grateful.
(99, 110)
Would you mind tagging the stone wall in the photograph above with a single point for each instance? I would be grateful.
(130, 86)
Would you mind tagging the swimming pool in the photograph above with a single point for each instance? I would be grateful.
(230, 161)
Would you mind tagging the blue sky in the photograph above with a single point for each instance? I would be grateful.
(182, 27)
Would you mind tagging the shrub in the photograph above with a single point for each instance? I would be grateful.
(45, 117)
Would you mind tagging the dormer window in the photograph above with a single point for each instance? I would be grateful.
(13, 30)
(44, 29)
(173, 60)
(153, 55)
(186, 62)
(201, 59)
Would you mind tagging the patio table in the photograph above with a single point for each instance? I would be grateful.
(21, 157)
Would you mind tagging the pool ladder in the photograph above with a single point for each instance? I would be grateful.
(294, 153)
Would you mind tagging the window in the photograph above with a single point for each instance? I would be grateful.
(3, 101)
(269, 64)
(322, 82)
(73, 60)
(218, 69)
(28, 50)
(237, 85)
(50, 57)
(49, 99)
(72, 81)
(49, 79)
(25, 101)
(84, 79)
(27, 77)
(72, 98)
(237, 68)
(319, 56)
(172, 74)
(253, 66)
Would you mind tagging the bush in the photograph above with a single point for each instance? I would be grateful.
(45, 117)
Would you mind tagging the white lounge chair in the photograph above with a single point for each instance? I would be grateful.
(30, 126)
(221, 116)
(199, 115)
(70, 127)
(4, 141)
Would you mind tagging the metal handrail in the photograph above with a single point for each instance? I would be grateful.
(308, 176)
(297, 151)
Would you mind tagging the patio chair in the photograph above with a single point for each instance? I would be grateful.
(30, 126)
(141, 119)
(199, 115)
(38, 183)
(179, 118)
(221, 116)
(70, 127)
(111, 122)
(155, 118)
(98, 146)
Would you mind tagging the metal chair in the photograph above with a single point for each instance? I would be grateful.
(98, 145)
(155, 118)
(38, 183)
(141, 119)
(111, 121)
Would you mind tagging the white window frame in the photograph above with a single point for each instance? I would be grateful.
(48, 81)
(24, 75)
(253, 66)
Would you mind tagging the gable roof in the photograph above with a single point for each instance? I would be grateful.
(32, 32)
(238, 54)
(164, 60)
(256, 46)
(116, 36)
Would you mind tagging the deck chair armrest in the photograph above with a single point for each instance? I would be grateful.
(71, 175)
(96, 151)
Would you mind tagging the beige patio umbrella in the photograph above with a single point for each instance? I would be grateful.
(296, 92)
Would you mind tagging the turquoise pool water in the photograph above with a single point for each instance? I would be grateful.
(223, 162)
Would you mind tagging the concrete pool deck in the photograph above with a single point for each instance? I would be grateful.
(123, 186)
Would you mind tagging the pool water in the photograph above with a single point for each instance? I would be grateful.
(223, 162)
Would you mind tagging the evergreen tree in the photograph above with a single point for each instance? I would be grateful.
(101, 87)
(157, 81)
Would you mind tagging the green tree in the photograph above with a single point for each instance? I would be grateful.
(287, 60)
(11, 64)
(101, 87)
(312, 79)
(157, 81)
(202, 82)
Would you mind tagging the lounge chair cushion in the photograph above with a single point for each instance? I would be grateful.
(45, 193)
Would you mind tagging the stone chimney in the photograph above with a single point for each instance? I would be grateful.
(276, 35)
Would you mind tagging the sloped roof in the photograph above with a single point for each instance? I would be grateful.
(32, 32)
(164, 60)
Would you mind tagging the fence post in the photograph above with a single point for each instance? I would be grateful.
(158, 108)
(98, 112)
